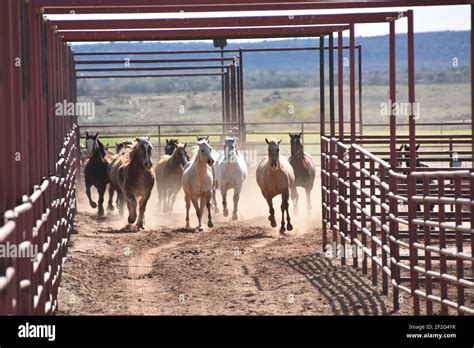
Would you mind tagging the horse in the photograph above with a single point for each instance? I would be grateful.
(168, 174)
(215, 155)
(231, 171)
(304, 168)
(171, 145)
(124, 146)
(198, 182)
(95, 171)
(131, 175)
(275, 176)
(419, 164)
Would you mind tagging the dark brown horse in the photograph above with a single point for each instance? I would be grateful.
(131, 175)
(304, 168)
(95, 171)
(169, 173)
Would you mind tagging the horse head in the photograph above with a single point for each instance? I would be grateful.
(205, 151)
(229, 149)
(407, 154)
(142, 151)
(273, 152)
(180, 153)
(296, 145)
(170, 146)
(91, 144)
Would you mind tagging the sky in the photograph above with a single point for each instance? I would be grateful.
(434, 18)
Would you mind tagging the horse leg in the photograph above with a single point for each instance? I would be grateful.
(236, 202)
(101, 191)
(120, 202)
(132, 207)
(214, 200)
(224, 201)
(271, 217)
(172, 200)
(188, 205)
(289, 226)
(141, 214)
(88, 193)
(284, 202)
(208, 205)
(295, 197)
(198, 213)
(308, 199)
(110, 204)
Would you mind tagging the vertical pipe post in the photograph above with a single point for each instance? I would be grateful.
(394, 250)
(412, 164)
(352, 153)
(340, 83)
(243, 137)
(331, 85)
(361, 119)
(321, 87)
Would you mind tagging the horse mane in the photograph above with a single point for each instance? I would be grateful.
(101, 148)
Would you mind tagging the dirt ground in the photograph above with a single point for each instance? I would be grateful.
(236, 268)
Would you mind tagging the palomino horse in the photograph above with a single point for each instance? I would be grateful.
(215, 155)
(275, 176)
(131, 175)
(231, 171)
(198, 183)
(95, 171)
(169, 173)
(304, 168)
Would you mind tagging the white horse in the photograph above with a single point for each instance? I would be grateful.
(198, 182)
(231, 171)
(215, 155)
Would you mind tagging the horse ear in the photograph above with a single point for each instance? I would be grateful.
(137, 139)
(167, 141)
(289, 134)
(266, 140)
(97, 134)
(300, 134)
(207, 138)
(185, 144)
(401, 148)
(406, 147)
(197, 137)
(87, 134)
(279, 141)
(417, 147)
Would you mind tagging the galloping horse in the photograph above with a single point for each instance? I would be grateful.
(131, 175)
(215, 155)
(304, 168)
(95, 171)
(169, 173)
(231, 171)
(124, 146)
(198, 182)
(275, 176)
(171, 144)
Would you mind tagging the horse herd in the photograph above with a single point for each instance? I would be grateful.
(199, 172)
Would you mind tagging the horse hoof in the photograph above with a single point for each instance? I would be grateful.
(272, 221)
(140, 226)
(289, 227)
(110, 207)
(93, 205)
(131, 219)
(201, 229)
(226, 212)
(282, 229)
(210, 224)
(235, 217)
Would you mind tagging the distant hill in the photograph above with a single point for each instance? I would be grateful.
(440, 57)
